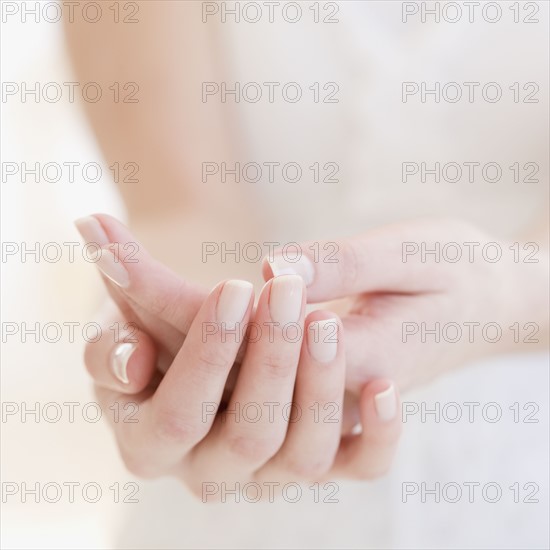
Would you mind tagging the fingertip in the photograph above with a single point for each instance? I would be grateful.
(385, 403)
(232, 301)
(280, 264)
(380, 401)
(322, 315)
(324, 336)
(368, 452)
(91, 230)
(106, 220)
(117, 232)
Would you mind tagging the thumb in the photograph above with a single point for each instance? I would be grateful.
(381, 260)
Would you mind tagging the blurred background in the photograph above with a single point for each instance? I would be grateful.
(369, 53)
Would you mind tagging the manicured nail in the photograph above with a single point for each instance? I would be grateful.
(285, 299)
(119, 363)
(385, 404)
(112, 267)
(322, 340)
(91, 231)
(303, 267)
(233, 302)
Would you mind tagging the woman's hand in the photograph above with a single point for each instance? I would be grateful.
(411, 311)
(184, 429)
(280, 418)
(156, 301)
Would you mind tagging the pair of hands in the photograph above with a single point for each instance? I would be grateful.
(221, 412)
(217, 403)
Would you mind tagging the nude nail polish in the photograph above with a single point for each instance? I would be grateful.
(91, 231)
(120, 358)
(322, 340)
(385, 404)
(303, 267)
(285, 299)
(233, 302)
(112, 267)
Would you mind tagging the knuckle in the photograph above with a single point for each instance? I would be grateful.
(196, 489)
(161, 302)
(252, 449)
(207, 492)
(309, 470)
(277, 366)
(137, 466)
(170, 428)
(159, 306)
(350, 265)
(211, 361)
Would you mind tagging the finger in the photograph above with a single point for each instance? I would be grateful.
(314, 431)
(371, 350)
(384, 338)
(369, 454)
(351, 417)
(253, 427)
(181, 411)
(146, 291)
(384, 260)
(123, 359)
(125, 413)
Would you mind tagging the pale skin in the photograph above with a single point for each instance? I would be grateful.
(174, 437)
(377, 293)
(179, 429)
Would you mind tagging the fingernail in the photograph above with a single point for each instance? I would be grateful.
(233, 302)
(385, 404)
(303, 267)
(119, 363)
(323, 340)
(112, 267)
(91, 231)
(285, 299)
